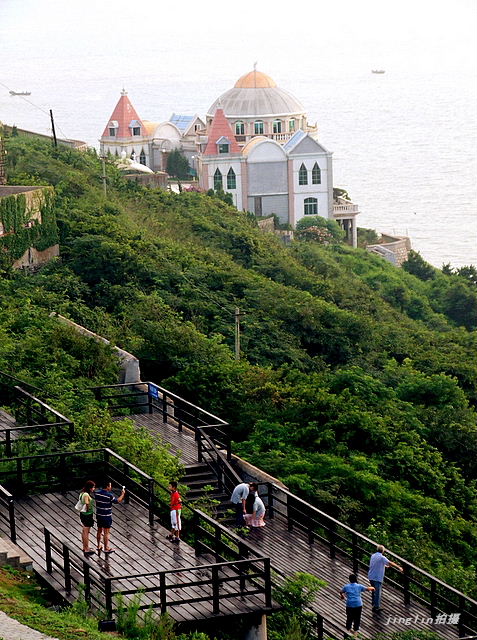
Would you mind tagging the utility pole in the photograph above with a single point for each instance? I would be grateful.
(55, 141)
(103, 160)
(237, 315)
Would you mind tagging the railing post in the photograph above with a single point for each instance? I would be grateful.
(150, 499)
(354, 552)
(67, 568)
(87, 583)
(11, 517)
(108, 596)
(217, 540)
(433, 599)
(195, 531)
(229, 450)
(163, 591)
(406, 585)
(461, 623)
(215, 590)
(270, 500)
(289, 515)
(332, 539)
(47, 536)
(8, 443)
(268, 582)
(164, 407)
(199, 446)
(319, 627)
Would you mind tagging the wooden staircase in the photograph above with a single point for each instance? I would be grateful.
(205, 493)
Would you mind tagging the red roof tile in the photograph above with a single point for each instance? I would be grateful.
(123, 113)
(218, 128)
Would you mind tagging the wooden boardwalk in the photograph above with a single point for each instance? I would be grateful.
(139, 548)
(290, 552)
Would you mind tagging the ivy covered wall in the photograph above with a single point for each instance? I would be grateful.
(27, 220)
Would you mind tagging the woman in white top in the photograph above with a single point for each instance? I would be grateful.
(255, 519)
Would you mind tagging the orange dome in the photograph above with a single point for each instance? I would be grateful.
(255, 80)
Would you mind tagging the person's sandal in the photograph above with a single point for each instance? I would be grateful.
(109, 551)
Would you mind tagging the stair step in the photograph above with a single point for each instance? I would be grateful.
(197, 484)
(12, 555)
(198, 476)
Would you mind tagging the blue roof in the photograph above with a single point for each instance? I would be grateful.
(181, 122)
(295, 139)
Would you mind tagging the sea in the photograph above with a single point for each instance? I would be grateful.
(404, 142)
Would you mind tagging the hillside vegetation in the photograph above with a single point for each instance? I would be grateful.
(356, 385)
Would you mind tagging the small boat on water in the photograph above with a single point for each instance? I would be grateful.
(378, 71)
(20, 93)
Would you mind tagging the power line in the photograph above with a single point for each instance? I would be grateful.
(37, 107)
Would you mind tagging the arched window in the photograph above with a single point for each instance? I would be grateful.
(311, 207)
(218, 180)
(277, 126)
(302, 175)
(291, 124)
(142, 157)
(231, 179)
(239, 128)
(316, 174)
(258, 128)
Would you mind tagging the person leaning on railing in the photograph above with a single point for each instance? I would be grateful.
(377, 565)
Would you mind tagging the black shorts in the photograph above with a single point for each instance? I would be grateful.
(87, 519)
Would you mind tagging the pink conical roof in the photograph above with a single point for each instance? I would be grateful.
(123, 113)
(219, 128)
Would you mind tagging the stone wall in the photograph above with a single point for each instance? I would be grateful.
(32, 258)
(130, 371)
(395, 249)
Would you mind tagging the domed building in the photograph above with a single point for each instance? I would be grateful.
(256, 106)
(259, 147)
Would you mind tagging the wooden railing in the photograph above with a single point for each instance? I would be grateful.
(414, 583)
(207, 583)
(210, 432)
(35, 420)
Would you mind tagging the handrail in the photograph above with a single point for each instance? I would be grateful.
(309, 525)
(3, 374)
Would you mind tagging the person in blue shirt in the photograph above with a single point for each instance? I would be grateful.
(105, 499)
(351, 592)
(377, 565)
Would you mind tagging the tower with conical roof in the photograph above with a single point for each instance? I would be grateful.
(125, 132)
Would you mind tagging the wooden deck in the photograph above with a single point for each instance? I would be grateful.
(139, 548)
(290, 552)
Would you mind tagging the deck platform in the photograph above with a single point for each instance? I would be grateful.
(140, 548)
(290, 552)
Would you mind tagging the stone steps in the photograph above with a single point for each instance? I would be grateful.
(11, 554)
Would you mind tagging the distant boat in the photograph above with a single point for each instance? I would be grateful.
(378, 71)
(20, 93)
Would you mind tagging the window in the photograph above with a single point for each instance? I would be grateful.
(277, 126)
(291, 124)
(302, 175)
(142, 157)
(231, 180)
(311, 207)
(223, 148)
(136, 131)
(239, 129)
(258, 127)
(316, 174)
(112, 131)
(218, 180)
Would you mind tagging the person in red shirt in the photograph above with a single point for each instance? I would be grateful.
(176, 506)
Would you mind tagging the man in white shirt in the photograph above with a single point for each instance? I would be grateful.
(238, 498)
